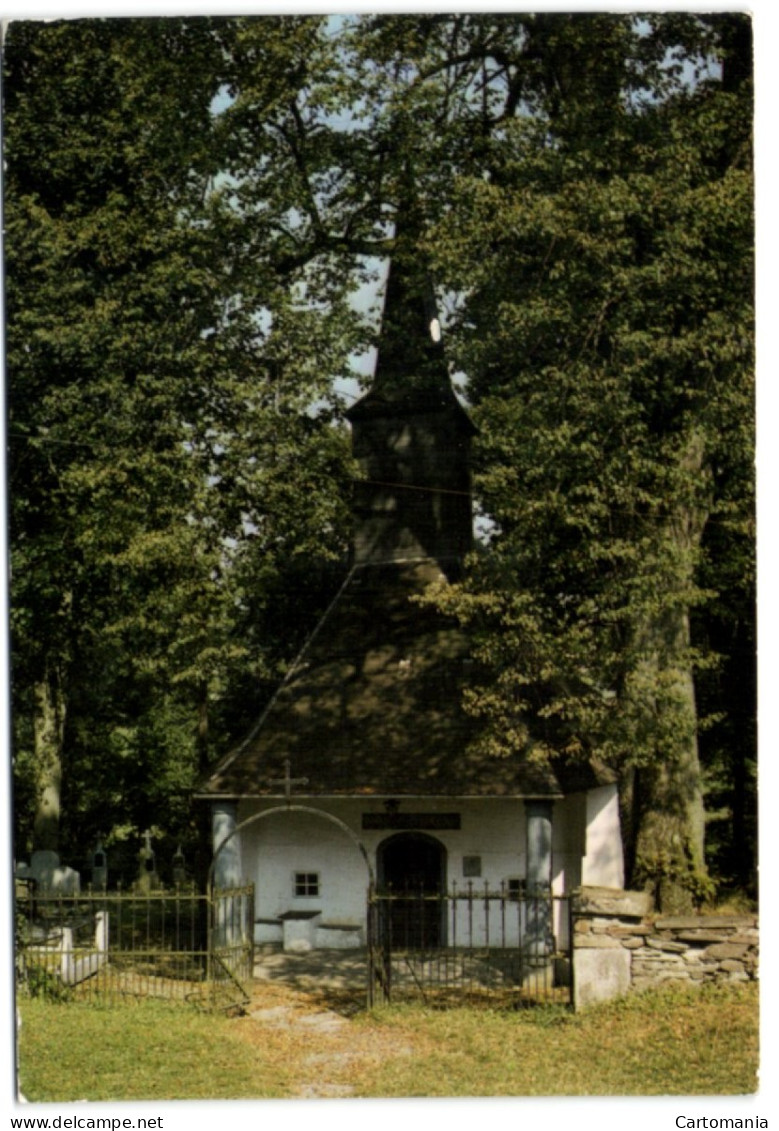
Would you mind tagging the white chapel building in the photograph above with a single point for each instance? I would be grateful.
(361, 768)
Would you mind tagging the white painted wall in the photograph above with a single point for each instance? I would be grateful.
(274, 848)
(603, 864)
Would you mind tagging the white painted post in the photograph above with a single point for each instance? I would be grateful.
(603, 864)
(66, 955)
(538, 930)
(227, 867)
(224, 819)
(101, 932)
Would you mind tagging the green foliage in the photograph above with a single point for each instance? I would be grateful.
(191, 206)
(606, 328)
(40, 982)
(166, 461)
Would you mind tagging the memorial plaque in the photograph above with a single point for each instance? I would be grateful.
(471, 866)
(411, 820)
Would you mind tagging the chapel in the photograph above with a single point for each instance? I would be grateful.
(361, 767)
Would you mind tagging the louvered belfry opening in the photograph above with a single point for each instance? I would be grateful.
(410, 435)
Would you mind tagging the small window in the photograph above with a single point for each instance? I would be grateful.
(515, 887)
(306, 883)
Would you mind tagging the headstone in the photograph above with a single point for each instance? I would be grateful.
(148, 880)
(179, 868)
(99, 867)
(50, 876)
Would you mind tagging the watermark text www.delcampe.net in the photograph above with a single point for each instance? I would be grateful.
(84, 1123)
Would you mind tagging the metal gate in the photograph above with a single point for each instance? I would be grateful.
(468, 944)
(176, 944)
(231, 946)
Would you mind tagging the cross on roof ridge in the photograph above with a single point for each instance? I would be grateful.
(288, 781)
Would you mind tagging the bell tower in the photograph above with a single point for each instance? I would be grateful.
(410, 434)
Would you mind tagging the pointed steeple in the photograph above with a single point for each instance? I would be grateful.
(409, 432)
(411, 370)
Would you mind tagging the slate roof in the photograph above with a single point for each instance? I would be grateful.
(372, 707)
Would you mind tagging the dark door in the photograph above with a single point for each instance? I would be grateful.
(412, 878)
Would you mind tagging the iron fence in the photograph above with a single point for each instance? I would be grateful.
(467, 944)
(175, 944)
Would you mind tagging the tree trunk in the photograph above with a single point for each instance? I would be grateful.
(668, 809)
(48, 730)
(669, 813)
(203, 852)
(668, 804)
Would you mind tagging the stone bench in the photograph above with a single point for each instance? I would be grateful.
(295, 929)
(268, 931)
(299, 930)
(345, 934)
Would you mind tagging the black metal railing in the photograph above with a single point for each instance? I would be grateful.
(176, 944)
(469, 942)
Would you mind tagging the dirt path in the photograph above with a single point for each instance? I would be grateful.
(330, 1049)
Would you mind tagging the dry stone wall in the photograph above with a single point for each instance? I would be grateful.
(620, 945)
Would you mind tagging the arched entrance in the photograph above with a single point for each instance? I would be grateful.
(412, 871)
(276, 809)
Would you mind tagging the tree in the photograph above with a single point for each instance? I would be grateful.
(180, 278)
(165, 458)
(607, 337)
(585, 188)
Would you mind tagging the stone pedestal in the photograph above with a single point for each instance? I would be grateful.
(599, 974)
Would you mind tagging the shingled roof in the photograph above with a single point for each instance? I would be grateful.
(373, 704)
(372, 707)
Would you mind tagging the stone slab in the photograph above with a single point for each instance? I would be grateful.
(599, 974)
(726, 950)
(665, 944)
(678, 922)
(702, 937)
(612, 901)
(686, 922)
(596, 942)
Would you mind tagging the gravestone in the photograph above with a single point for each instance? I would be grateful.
(179, 868)
(99, 867)
(50, 877)
(148, 880)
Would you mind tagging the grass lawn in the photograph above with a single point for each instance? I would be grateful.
(666, 1043)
